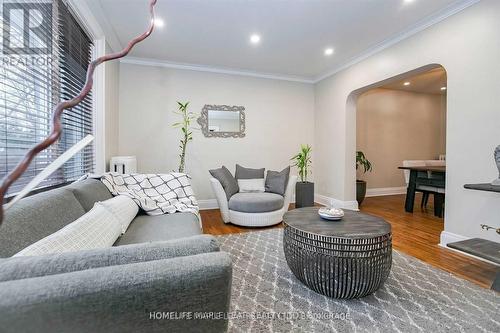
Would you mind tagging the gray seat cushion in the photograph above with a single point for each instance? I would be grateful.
(36, 217)
(145, 228)
(256, 202)
(89, 191)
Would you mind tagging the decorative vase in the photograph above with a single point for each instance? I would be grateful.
(360, 191)
(304, 194)
(497, 160)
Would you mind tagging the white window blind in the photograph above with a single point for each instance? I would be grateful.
(45, 54)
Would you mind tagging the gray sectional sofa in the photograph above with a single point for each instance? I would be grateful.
(162, 266)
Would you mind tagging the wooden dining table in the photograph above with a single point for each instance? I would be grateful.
(414, 180)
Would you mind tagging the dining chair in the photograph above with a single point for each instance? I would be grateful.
(438, 191)
(416, 163)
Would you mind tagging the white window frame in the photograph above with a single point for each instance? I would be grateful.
(92, 27)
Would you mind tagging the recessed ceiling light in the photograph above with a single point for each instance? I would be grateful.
(406, 83)
(443, 88)
(329, 51)
(408, 1)
(255, 39)
(159, 23)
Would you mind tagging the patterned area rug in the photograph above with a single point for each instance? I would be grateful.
(266, 296)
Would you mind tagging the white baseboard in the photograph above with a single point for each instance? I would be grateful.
(378, 192)
(449, 237)
(324, 200)
(208, 204)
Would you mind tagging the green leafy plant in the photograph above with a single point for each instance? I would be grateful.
(362, 161)
(303, 161)
(187, 135)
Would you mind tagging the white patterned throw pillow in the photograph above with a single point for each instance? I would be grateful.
(98, 228)
(252, 185)
(123, 208)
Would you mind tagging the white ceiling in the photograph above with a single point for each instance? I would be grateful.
(294, 33)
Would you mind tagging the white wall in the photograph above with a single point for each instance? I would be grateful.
(467, 46)
(282, 115)
(278, 119)
(111, 107)
(396, 125)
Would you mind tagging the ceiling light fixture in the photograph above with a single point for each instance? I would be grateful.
(409, 1)
(255, 39)
(159, 23)
(406, 83)
(329, 51)
(443, 88)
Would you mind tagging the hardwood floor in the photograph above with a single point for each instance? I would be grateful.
(418, 235)
(415, 234)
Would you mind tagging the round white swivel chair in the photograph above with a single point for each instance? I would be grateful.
(247, 219)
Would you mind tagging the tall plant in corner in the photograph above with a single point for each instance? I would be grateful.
(187, 134)
(304, 190)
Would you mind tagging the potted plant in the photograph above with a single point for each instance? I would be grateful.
(186, 131)
(361, 162)
(304, 190)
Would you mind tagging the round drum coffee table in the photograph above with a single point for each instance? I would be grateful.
(350, 258)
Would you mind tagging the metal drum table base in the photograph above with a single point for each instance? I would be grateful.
(338, 267)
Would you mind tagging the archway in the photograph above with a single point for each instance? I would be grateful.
(391, 206)
(351, 123)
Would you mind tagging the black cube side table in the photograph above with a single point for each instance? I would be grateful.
(346, 259)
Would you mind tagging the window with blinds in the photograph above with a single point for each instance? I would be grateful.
(45, 54)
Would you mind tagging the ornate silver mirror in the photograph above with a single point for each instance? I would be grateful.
(222, 121)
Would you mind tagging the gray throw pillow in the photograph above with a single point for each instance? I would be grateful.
(276, 182)
(224, 176)
(248, 173)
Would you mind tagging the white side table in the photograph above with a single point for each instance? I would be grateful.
(123, 164)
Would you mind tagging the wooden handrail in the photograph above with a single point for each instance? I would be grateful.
(56, 132)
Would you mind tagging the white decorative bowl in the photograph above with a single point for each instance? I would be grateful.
(332, 214)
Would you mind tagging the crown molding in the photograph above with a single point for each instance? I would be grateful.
(217, 70)
(423, 24)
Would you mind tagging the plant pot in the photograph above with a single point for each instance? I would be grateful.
(304, 194)
(360, 191)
